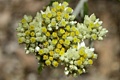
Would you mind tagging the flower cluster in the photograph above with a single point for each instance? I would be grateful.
(76, 63)
(55, 37)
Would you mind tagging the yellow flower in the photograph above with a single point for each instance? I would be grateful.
(85, 55)
(54, 34)
(82, 51)
(41, 51)
(69, 10)
(54, 41)
(51, 58)
(47, 62)
(90, 61)
(45, 43)
(58, 18)
(53, 9)
(55, 4)
(48, 34)
(64, 36)
(94, 36)
(44, 16)
(62, 8)
(44, 29)
(59, 13)
(74, 46)
(72, 34)
(63, 49)
(27, 33)
(61, 52)
(21, 39)
(62, 31)
(49, 15)
(82, 59)
(57, 50)
(31, 27)
(65, 4)
(91, 25)
(32, 33)
(79, 62)
(63, 23)
(58, 7)
(77, 32)
(45, 57)
(55, 63)
(59, 45)
(61, 41)
(67, 28)
(67, 42)
(75, 40)
(23, 21)
(80, 71)
(32, 39)
(66, 16)
(53, 23)
(51, 53)
(73, 28)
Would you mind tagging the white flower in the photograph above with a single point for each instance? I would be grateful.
(89, 52)
(66, 72)
(50, 47)
(46, 50)
(27, 52)
(82, 44)
(37, 48)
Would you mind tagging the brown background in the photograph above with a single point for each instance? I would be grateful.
(16, 65)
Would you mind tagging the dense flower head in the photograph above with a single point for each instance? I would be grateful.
(55, 37)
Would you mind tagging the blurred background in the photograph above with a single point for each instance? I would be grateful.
(16, 65)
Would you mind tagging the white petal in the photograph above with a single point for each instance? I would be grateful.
(92, 49)
(37, 48)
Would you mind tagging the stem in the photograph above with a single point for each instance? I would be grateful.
(79, 7)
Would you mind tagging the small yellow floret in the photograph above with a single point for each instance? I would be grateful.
(58, 18)
(94, 36)
(27, 33)
(21, 40)
(62, 31)
(54, 41)
(32, 33)
(79, 62)
(45, 57)
(67, 42)
(49, 15)
(59, 13)
(54, 34)
(31, 27)
(90, 61)
(72, 34)
(41, 51)
(47, 62)
(57, 50)
(51, 58)
(23, 21)
(67, 28)
(44, 15)
(59, 45)
(61, 52)
(51, 53)
(44, 29)
(48, 34)
(82, 51)
(55, 63)
(32, 39)
(61, 41)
